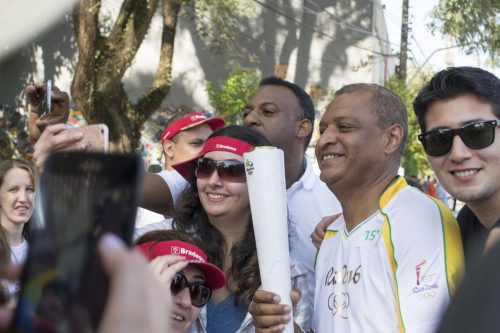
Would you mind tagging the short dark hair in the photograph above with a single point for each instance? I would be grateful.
(387, 105)
(456, 81)
(305, 101)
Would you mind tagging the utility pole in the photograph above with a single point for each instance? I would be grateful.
(403, 53)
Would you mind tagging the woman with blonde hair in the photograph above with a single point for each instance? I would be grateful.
(17, 189)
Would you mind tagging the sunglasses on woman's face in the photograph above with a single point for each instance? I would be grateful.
(200, 291)
(477, 135)
(228, 170)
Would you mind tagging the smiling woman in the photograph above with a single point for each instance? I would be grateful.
(184, 268)
(216, 210)
(16, 208)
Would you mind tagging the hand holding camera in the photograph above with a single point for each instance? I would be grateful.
(48, 106)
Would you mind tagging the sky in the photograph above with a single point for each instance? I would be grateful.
(421, 41)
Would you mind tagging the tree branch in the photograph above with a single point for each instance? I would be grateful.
(127, 35)
(152, 98)
(88, 40)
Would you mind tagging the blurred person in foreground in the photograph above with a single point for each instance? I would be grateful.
(130, 280)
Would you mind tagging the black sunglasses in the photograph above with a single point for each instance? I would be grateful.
(229, 170)
(200, 291)
(476, 135)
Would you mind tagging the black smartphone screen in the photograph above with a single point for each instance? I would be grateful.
(81, 196)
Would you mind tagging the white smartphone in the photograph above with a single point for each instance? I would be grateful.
(95, 137)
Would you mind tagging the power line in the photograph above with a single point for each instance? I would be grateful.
(418, 45)
(337, 20)
(291, 51)
(333, 38)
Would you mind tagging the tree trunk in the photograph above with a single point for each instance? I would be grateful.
(102, 61)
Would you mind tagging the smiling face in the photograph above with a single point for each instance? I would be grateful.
(468, 174)
(274, 111)
(183, 312)
(222, 198)
(16, 197)
(350, 151)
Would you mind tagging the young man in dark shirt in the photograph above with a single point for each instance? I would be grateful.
(459, 115)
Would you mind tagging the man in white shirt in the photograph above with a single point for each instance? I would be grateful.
(284, 113)
(390, 262)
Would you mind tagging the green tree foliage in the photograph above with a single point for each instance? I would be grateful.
(230, 100)
(473, 24)
(414, 160)
(216, 20)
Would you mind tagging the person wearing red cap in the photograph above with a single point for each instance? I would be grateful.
(185, 269)
(181, 140)
(184, 137)
(216, 210)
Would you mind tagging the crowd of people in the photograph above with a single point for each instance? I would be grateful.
(368, 252)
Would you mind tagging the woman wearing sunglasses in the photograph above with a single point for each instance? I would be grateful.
(184, 267)
(216, 209)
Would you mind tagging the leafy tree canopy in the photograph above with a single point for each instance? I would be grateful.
(473, 24)
(230, 100)
(414, 159)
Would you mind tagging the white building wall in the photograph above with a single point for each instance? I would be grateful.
(323, 44)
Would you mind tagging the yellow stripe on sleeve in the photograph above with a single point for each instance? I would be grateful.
(328, 234)
(453, 248)
(386, 234)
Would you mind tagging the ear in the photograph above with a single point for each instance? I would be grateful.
(168, 149)
(304, 128)
(393, 138)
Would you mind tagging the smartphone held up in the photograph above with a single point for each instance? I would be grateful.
(95, 137)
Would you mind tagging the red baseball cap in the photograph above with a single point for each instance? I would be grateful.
(217, 143)
(193, 254)
(191, 120)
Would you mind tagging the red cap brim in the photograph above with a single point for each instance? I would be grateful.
(194, 255)
(190, 121)
(213, 274)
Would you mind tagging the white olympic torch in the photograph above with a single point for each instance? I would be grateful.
(265, 171)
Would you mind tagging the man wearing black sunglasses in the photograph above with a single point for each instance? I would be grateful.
(459, 114)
